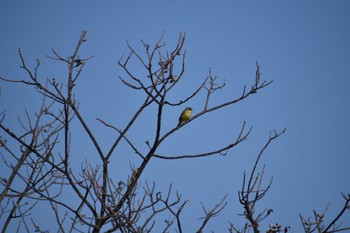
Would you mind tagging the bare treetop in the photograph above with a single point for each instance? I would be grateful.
(41, 170)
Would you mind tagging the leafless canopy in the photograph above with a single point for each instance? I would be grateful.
(39, 169)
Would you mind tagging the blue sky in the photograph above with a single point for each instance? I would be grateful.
(303, 46)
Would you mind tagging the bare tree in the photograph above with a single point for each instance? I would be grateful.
(253, 191)
(40, 167)
(317, 224)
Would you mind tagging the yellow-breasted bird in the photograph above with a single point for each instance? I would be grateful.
(185, 115)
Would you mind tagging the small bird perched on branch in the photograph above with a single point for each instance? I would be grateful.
(185, 115)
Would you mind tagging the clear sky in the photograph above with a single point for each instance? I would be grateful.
(303, 46)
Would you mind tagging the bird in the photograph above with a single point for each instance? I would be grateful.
(185, 115)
